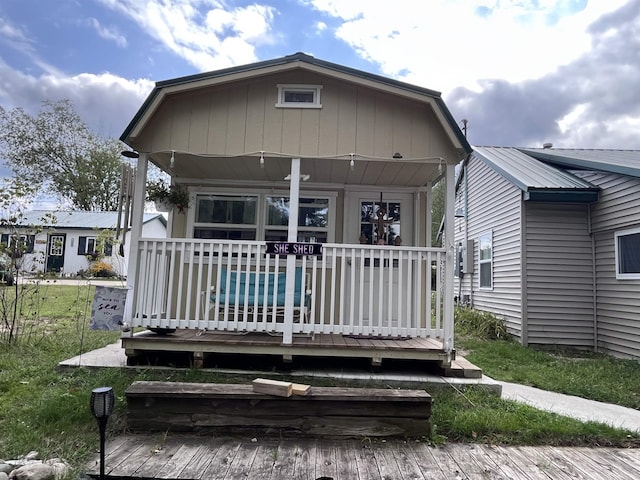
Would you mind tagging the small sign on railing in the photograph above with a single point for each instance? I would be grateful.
(291, 248)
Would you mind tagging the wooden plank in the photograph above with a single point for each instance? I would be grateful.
(128, 464)
(631, 457)
(240, 467)
(272, 387)
(325, 465)
(387, 465)
(406, 461)
(161, 453)
(222, 459)
(300, 389)
(366, 463)
(485, 461)
(200, 460)
(585, 465)
(467, 464)
(305, 459)
(285, 461)
(264, 460)
(179, 461)
(422, 454)
(511, 467)
(446, 458)
(346, 460)
(538, 458)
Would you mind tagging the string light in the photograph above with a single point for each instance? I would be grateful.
(352, 163)
(261, 159)
(172, 162)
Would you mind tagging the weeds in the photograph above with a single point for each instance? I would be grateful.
(479, 324)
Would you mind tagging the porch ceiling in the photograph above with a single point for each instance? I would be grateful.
(326, 170)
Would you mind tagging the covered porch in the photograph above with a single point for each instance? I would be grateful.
(309, 222)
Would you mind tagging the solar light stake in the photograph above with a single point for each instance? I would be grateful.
(102, 401)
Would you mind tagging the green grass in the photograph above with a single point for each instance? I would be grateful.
(48, 410)
(588, 375)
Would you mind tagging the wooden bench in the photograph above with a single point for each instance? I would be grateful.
(232, 408)
(258, 291)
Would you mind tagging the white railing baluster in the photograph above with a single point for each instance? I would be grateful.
(372, 289)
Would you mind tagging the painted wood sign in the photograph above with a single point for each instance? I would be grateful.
(107, 310)
(291, 248)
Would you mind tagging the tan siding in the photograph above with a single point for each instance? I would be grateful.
(494, 204)
(559, 277)
(199, 124)
(618, 303)
(257, 98)
(242, 118)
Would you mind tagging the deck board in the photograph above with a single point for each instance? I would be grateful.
(230, 458)
(303, 345)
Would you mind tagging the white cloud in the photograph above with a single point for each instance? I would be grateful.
(206, 33)
(107, 33)
(105, 102)
(442, 44)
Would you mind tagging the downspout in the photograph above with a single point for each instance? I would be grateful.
(594, 283)
(465, 171)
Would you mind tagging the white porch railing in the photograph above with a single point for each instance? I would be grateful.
(233, 286)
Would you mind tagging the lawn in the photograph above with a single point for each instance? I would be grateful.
(47, 410)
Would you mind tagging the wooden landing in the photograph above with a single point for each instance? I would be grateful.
(226, 458)
(322, 411)
(201, 344)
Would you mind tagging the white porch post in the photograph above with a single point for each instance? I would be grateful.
(449, 245)
(137, 219)
(292, 236)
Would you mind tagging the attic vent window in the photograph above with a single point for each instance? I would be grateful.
(299, 96)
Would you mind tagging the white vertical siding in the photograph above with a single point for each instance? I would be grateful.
(559, 275)
(618, 301)
(494, 204)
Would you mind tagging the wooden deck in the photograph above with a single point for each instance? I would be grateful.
(201, 344)
(218, 458)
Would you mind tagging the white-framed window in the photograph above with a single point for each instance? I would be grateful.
(627, 246)
(299, 96)
(485, 261)
(263, 216)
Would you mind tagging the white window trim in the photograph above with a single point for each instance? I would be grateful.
(482, 262)
(261, 207)
(283, 88)
(617, 235)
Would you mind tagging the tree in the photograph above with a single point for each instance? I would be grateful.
(56, 151)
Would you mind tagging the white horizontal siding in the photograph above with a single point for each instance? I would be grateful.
(618, 303)
(494, 205)
(559, 275)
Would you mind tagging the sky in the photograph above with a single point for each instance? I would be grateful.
(520, 72)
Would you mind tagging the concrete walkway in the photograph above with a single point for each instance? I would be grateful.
(574, 407)
(567, 405)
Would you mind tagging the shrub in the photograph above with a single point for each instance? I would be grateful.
(479, 324)
(101, 269)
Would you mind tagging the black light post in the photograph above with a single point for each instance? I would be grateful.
(102, 401)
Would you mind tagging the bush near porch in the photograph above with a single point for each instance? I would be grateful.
(46, 410)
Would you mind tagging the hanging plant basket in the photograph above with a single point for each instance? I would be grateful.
(163, 205)
(167, 197)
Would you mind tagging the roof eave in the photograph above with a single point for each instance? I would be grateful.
(561, 195)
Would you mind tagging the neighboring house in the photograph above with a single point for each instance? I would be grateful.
(63, 242)
(301, 154)
(553, 244)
